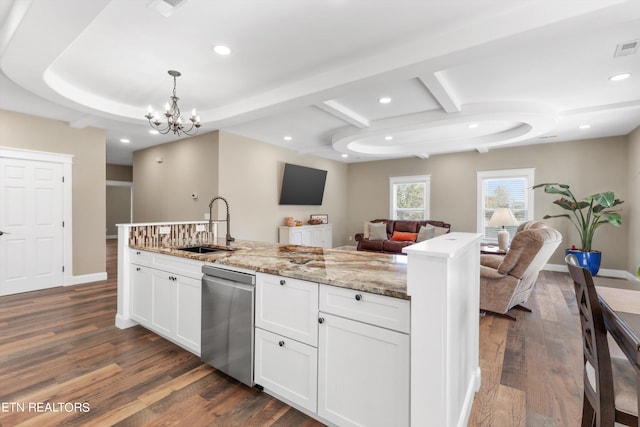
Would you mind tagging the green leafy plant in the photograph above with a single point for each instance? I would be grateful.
(586, 215)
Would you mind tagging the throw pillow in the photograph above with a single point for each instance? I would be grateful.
(377, 231)
(403, 236)
(366, 229)
(437, 231)
(425, 234)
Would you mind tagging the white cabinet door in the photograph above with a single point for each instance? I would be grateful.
(141, 291)
(188, 312)
(163, 306)
(287, 307)
(363, 374)
(287, 368)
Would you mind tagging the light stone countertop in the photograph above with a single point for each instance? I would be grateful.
(364, 271)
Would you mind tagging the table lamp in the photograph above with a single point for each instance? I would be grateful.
(502, 217)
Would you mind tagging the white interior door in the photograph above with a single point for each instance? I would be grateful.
(31, 215)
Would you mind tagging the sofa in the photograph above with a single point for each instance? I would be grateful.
(507, 281)
(390, 236)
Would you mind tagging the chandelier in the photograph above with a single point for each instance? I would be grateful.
(174, 121)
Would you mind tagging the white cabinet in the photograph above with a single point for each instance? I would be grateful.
(164, 301)
(141, 291)
(363, 370)
(307, 235)
(288, 307)
(287, 368)
(286, 354)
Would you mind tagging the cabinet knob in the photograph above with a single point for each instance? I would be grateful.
(137, 252)
(282, 282)
(321, 320)
(358, 297)
(281, 343)
(138, 269)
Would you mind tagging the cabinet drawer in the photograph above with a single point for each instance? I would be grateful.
(379, 310)
(178, 265)
(288, 307)
(287, 368)
(136, 256)
(169, 263)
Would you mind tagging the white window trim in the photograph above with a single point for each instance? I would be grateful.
(529, 173)
(413, 178)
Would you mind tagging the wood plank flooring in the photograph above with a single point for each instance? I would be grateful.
(59, 347)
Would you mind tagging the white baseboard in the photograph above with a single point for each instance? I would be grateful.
(604, 272)
(472, 389)
(122, 323)
(85, 278)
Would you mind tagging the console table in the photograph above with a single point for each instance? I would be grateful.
(307, 235)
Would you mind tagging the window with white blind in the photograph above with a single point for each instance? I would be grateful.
(409, 197)
(508, 188)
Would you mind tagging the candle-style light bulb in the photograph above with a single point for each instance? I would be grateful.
(166, 107)
(193, 113)
(150, 110)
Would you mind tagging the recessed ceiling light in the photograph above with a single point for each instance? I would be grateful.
(125, 140)
(154, 132)
(345, 156)
(473, 125)
(221, 50)
(621, 76)
(384, 100)
(287, 138)
(584, 126)
(388, 137)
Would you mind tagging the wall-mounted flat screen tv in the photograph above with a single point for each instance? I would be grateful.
(302, 185)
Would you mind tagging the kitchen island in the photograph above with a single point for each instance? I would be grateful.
(436, 289)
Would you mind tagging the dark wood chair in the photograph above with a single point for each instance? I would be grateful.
(609, 382)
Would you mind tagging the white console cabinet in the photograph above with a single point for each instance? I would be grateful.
(164, 301)
(307, 235)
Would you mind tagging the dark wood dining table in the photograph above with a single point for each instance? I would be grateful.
(620, 301)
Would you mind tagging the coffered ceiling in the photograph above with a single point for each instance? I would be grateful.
(463, 75)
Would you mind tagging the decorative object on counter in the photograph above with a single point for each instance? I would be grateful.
(318, 219)
(587, 216)
(172, 112)
(503, 217)
(298, 223)
(289, 221)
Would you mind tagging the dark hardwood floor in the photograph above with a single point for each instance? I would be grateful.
(63, 362)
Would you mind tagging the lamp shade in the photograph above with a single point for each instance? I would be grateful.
(502, 217)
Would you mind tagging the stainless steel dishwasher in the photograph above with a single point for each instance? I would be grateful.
(227, 321)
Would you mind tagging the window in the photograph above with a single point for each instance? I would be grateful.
(510, 188)
(409, 197)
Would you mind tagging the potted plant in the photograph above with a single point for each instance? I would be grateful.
(587, 216)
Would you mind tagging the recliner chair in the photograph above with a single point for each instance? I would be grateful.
(507, 281)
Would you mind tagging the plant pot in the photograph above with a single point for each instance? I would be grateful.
(590, 260)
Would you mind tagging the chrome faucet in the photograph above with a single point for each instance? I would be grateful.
(229, 239)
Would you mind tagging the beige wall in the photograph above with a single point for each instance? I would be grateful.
(88, 190)
(589, 166)
(118, 209)
(246, 172)
(633, 201)
(119, 173)
(251, 176)
(165, 176)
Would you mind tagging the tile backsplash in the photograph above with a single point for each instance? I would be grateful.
(172, 234)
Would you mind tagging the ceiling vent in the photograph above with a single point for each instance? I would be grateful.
(165, 7)
(627, 48)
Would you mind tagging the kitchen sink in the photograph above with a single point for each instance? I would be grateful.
(203, 249)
